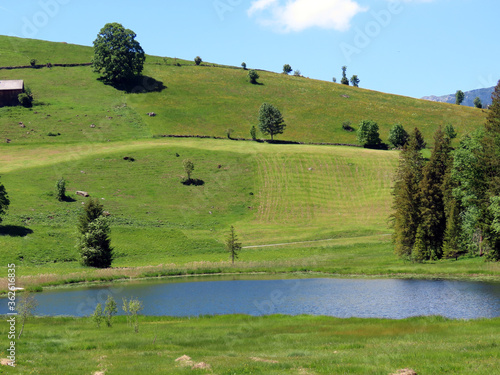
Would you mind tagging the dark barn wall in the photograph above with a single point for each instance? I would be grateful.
(9, 97)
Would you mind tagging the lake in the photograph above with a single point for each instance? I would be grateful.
(363, 298)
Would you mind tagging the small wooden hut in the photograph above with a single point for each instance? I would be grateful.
(9, 90)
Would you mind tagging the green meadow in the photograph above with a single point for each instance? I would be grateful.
(300, 345)
(295, 207)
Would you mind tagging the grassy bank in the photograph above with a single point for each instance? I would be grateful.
(251, 345)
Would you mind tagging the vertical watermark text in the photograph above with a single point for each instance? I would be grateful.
(11, 315)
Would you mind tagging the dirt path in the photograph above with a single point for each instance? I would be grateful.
(300, 242)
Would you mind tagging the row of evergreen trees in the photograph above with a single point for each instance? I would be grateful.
(450, 205)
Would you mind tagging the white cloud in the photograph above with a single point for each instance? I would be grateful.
(299, 15)
(260, 5)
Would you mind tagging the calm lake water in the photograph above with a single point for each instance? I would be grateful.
(385, 298)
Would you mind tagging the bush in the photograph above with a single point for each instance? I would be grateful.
(97, 316)
(33, 62)
(198, 60)
(297, 73)
(253, 76)
(61, 189)
(25, 100)
(253, 133)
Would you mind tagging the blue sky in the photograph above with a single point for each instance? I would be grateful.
(406, 47)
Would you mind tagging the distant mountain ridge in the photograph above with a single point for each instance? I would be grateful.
(483, 94)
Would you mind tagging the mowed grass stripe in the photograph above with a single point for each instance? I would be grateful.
(328, 189)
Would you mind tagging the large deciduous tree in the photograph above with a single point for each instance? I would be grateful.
(118, 57)
(398, 136)
(270, 120)
(368, 134)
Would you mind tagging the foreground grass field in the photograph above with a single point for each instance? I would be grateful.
(269, 345)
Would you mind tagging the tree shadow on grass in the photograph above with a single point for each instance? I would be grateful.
(138, 85)
(14, 231)
(68, 199)
(193, 181)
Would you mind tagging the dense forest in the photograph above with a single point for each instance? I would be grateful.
(449, 206)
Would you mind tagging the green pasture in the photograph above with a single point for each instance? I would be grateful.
(196, 100)
(238, 344)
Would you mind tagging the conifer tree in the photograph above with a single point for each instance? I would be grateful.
(420, 251)
(432, 208)
(451, 245)
(491, 162)
(420, 139)
(406, 216)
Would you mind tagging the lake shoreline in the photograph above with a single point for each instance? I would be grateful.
(96, 281)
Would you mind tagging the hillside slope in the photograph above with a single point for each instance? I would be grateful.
(201, 100)
(82, 129)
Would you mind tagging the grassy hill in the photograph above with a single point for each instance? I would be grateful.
(338, 197)
(203, 100)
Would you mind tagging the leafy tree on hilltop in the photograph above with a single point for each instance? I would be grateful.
(198, 60)
(287, 69)
(355, 80)
(344, 79)
(117, 55)
(477, 102)
(4, 201)
(270, 120)
(459, 97)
